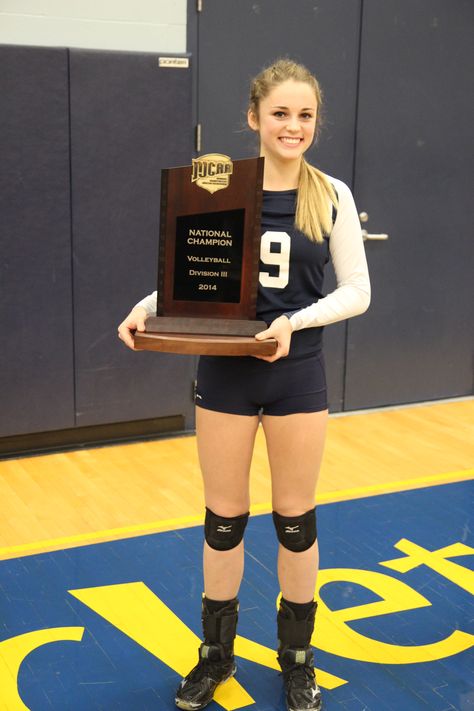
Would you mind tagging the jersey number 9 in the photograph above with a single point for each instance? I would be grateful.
(280, 258)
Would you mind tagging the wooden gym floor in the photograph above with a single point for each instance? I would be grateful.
(58, 501)
(102, 548)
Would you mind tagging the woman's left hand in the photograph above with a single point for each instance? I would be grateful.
(280, 329)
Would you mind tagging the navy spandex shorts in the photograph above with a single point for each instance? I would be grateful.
(249, 386)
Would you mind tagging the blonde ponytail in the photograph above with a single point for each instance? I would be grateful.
(316, 196)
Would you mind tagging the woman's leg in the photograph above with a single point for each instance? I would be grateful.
(225, 445)
(295, 446)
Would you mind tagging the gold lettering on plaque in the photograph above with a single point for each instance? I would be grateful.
(212, 172)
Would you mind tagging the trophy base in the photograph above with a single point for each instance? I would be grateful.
(204, 345)
(204, 336)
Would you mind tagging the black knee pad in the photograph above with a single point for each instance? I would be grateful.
(296, 533)
(224, 533)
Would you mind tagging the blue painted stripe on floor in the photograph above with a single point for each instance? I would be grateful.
(108, 671)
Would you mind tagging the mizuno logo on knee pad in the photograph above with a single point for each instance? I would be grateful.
(224, 533)
(296, 533)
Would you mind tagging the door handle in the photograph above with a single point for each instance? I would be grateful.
(369, 236)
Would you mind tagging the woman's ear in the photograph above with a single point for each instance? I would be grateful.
(252, 120)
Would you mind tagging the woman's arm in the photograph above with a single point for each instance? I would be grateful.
(135, 321)
(352, 294)
(149, 303)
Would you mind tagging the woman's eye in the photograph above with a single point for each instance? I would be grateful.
(279, 114)
(307, 117)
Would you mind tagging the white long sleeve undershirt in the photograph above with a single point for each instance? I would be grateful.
(352, 293)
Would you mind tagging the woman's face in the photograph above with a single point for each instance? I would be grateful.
(286, 120)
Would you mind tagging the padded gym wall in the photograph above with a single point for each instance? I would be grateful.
(36, 356)
(129, 119)
(84, 136)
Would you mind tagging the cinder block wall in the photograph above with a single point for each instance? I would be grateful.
(142, 25)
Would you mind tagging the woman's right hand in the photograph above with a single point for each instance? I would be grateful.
(135, 321)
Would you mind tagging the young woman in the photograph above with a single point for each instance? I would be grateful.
(307, 218)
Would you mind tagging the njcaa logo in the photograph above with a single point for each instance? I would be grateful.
(212, 172)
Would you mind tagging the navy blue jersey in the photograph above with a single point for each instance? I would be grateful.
(291, 268)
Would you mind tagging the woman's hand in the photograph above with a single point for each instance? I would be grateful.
(280, 329)
(135, 321)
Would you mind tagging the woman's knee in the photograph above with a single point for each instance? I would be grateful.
(227, 506)
(296, 533)
(223, 533)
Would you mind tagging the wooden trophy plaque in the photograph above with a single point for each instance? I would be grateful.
(208, 260)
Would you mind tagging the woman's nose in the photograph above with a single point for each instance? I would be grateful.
(293, 123)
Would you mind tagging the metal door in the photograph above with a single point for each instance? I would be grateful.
(414, 179)
(235, 40)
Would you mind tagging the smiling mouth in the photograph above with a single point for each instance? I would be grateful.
(289, 141)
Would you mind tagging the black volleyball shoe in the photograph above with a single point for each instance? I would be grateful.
(198, 687)
(296, 659)
(216, 658)
(302, 691)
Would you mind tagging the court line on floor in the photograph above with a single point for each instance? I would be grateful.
(81, 539)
